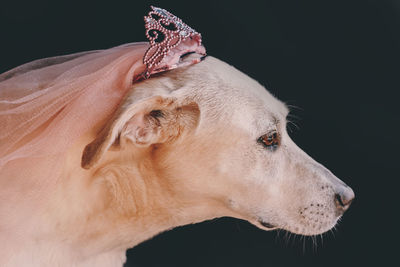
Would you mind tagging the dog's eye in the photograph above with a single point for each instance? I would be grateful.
(270, 140)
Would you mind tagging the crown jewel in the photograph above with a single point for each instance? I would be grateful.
(165, 32)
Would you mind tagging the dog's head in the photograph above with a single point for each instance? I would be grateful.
(212, 134)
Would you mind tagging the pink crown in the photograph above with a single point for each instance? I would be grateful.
(166, 32)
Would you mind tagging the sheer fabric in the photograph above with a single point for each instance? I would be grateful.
(47, 104)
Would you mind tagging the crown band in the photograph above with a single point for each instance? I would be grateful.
(169, 38)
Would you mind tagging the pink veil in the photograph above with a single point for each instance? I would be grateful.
(47, 104)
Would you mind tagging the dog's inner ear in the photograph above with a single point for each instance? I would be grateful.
(143, 129)
(151, 121)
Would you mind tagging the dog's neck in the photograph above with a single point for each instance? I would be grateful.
(98, 214)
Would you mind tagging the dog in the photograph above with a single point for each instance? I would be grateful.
(185, 146)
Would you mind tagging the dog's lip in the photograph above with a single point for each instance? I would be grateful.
(266, 224)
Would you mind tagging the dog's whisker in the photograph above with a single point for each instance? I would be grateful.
(332, 232)
(277, 235)
(291, 115)
(314, 240)
(291, 107)
(293, 123)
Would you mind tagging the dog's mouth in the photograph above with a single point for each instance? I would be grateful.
(267, 225)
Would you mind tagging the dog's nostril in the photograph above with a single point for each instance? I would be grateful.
(344, 199)
(339, 200)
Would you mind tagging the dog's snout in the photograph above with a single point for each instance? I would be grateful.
(343, 198)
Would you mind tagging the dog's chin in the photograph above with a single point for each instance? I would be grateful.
(296, 229)
(305, 231)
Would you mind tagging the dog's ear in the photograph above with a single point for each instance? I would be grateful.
(150, 121)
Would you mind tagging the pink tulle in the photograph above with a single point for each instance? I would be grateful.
(47, 104)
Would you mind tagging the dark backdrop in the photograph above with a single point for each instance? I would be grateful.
(338, 61)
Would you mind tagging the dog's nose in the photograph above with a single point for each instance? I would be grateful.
(343, 199)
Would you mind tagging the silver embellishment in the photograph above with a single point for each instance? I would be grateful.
(164, 31)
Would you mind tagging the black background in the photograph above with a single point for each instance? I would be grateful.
(337, 61)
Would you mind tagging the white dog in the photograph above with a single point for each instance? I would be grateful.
(190, 145)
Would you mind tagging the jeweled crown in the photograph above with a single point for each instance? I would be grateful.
(165, 32)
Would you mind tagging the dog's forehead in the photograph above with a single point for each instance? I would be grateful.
(220, 88)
